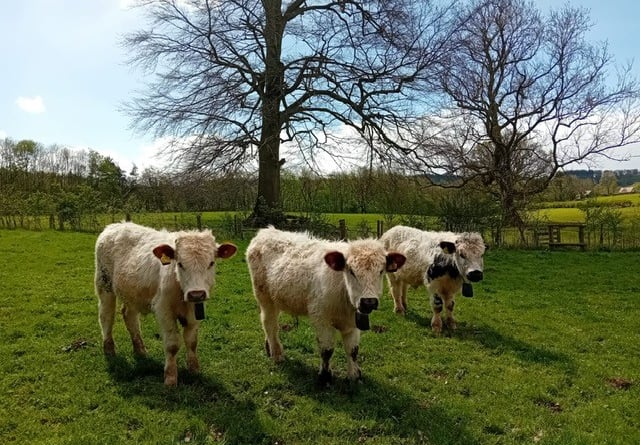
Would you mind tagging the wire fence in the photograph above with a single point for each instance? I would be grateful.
(579, 236)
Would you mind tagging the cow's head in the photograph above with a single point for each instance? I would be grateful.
(194, 262)
(363, 266)
(467, 251)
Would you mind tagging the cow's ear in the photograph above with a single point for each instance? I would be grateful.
(395, 261)
(448, 247)
(335, 260)
(226, 250)
(164, 253)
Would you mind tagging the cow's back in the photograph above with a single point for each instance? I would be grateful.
(288, 268)
(124, 254)
(419, 248)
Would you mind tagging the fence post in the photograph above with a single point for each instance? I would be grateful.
(379, 228)
(343, 229)
(199, 221)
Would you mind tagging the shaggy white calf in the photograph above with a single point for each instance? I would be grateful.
(167, 273)
(336, 284)
(445, 262)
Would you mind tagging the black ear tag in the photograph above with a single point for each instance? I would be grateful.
(362, 321)
(199, 311)
(467, 290)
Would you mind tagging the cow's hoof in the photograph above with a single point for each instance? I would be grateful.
(171, 381)
(193, 367)
(325, 378)
(356, 376)
(109, 348)
(399, 311)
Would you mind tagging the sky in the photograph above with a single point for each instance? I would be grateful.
(65, 78)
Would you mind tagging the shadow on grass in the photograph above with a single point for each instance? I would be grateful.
(398, 416)
(499, 343)
(199, 395)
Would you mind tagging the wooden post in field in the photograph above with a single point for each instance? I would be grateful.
(342, 225)
(379, 228)
(199, 221)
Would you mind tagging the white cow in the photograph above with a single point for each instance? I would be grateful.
(445, 262)
(336, 284)
(167, 273)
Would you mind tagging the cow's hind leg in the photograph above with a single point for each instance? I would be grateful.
(325, 336)
(132, 321)
(106, 310)
(436, 320)
(403, 294)
(269, 318)
(396, 288)
(351, 341)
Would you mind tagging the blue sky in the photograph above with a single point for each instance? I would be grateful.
(64, 75)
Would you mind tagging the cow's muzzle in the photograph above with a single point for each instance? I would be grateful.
(474, 276)
(196, 296)
(368, 305)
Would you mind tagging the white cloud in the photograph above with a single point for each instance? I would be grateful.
(31, 104)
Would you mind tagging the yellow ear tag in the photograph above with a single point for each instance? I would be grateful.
(164, 259)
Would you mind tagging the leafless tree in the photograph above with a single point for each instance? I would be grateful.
(524, 96)
(235, 79)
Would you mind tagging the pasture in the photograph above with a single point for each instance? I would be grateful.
(547, 352)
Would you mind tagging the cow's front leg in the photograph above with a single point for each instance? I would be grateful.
(190, 335)
(171, 343)
(325, 336)
(436, 320)
(449, 304)
(351, 342)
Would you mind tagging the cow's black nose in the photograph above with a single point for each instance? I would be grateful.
(368, 304)
(196, 295)
(475, 276)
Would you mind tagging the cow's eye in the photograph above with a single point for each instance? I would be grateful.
(352, 274)
(463, 256)
(180, 266)
(382, 271)
(210, 265)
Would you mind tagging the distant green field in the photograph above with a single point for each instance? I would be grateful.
(545, 353)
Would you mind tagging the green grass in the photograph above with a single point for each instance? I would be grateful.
(546, 352)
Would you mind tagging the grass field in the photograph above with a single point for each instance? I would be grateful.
(547, 352)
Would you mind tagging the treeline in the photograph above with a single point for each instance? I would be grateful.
(73, 188)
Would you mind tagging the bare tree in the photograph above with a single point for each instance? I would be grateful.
(525, 95)
(235, 79)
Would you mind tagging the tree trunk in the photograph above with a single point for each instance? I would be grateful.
(268, 209)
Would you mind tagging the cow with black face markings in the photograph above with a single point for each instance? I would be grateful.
(445, 262)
